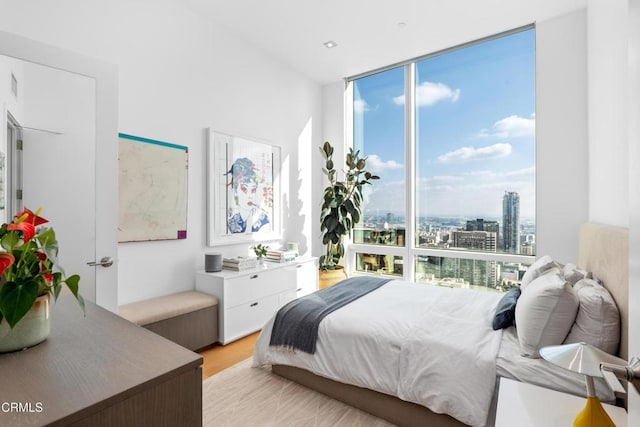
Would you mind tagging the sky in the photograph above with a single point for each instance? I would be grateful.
(475, 125)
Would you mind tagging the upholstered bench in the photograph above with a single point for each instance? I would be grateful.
(187, 318)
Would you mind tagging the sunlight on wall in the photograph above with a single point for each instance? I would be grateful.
(303, 184)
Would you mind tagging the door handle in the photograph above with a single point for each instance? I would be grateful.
(104, 262)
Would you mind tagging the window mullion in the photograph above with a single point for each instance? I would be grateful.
(410, 179)
(349, 259)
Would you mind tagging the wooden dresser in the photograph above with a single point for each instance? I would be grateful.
(100, 370)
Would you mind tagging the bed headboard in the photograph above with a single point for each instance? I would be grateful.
(604, 250)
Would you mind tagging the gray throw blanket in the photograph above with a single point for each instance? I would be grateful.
(296, 324)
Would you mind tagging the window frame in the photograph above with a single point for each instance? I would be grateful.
(410, 251)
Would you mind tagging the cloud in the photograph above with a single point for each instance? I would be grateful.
(464, 154)
(526, 172)
(491, 175)
(360, 106)
(441, 179)
(429, 93)
(376, 164)
(511, 127)
(481, 191)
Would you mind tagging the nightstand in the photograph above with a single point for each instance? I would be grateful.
(523, 405)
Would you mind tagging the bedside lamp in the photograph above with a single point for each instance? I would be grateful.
(584, 359)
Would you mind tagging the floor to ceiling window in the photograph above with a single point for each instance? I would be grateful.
(452, 137)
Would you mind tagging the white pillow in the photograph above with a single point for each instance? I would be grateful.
(545, 312)
(537, 269)
(598, 319)
(573, 274)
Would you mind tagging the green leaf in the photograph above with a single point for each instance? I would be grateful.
(349, 161)
(328, 148)
(356, 217)
(16, 300)
(72, 284)
(329, 164)
(9, 241)
(350, 207)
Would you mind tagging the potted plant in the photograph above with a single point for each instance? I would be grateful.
(29, 274)
(260, 250)
(341, 205)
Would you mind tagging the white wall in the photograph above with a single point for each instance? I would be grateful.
(179, 74)
(607, 88)
(333, 131)
(562, 181)
(633, 91)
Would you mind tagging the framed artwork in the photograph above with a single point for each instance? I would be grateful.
(243, 189)
(152, 189)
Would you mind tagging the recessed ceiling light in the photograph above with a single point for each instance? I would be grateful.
(330, 44)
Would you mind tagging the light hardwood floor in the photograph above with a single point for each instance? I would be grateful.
(220, 357)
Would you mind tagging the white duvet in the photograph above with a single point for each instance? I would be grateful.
(425, 344)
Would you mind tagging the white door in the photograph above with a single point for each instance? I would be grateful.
(58, 163)
(70, 159)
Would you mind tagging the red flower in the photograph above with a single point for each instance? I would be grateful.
(30, 217)
(41, 256)
(48, 278)
(28, 230)
(6, 259)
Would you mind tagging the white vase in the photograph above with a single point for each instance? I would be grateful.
(32, 329)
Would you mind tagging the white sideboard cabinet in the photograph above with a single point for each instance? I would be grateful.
(247, 299)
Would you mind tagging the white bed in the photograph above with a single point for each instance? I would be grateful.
(435, 346)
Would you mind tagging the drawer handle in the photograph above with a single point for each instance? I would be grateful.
(255, 276)
(298, 290)
(299, 266)
(254, 304)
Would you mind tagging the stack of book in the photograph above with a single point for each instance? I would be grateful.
(239, 263)
(282, 255)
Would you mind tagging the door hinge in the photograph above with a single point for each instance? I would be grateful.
(18, 144)
(19, 194)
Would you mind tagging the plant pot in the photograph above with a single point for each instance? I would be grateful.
(32, 329)
(327, 278)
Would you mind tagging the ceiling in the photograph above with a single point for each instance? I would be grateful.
(367, 31)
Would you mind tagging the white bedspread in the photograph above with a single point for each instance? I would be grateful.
(426, 344)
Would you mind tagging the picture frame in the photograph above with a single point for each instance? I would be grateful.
(152, 189)
(243, 189)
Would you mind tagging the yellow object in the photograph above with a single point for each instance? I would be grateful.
(593, 415)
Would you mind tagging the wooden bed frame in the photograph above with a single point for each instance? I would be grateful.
(603, 250)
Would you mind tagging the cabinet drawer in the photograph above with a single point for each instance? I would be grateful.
(239, 290)
(306, 272)
(305, 288)
(249, 317)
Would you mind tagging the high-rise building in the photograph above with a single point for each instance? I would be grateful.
(481, 224)
(476, 240)
(511, 222)
(461, 271)
(477, 272)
